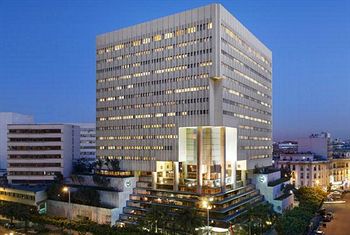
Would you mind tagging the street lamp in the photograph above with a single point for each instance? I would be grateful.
(206, 205)
(67, 190)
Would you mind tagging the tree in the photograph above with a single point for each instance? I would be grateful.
(188, 220)
(99, 164)
(8, 210)
(296, 221)
(24, 213)
(54, 191)
(80, 167)
(17, 211)
(262, 214)
(315, 194)
(152, 219)
(107, 163)
(115, 164)
(101, 181)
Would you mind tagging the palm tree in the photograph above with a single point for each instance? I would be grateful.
(99, 164)
(107, 163)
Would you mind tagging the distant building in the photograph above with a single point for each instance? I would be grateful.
(306, 169)
(284, 147)
(340, 171)
(28, 195)
(316, 143)
(5, 119)
(39, 152)
(87, 141)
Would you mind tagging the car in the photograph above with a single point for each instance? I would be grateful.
(319, 232)
(10, 225)
(326, 218)
(330, 215)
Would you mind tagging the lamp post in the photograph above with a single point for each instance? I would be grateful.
(67, 190)
(206, 205)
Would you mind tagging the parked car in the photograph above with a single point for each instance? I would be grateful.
(319, 232)
(326, 218)
(10, 225)
(330, 215)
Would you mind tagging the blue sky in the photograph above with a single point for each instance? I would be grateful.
(47, 56)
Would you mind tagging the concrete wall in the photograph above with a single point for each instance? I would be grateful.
(124, 187)
(96, 214)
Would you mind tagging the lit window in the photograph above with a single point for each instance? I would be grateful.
(146, 40)
(168, 35)
(157, 37)
(191, 29)
(118, 47)
(136, 43)
(210, 25)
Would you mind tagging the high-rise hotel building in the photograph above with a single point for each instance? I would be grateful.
(187, 98)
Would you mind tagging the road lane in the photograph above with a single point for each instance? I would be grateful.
(340, 225)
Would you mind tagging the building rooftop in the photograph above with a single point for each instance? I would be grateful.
(30, 188)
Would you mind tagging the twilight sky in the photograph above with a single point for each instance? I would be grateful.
(47, 56)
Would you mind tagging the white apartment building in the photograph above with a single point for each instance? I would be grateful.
(201, 67)
(87, 141)
(5, 119)
(39, 152)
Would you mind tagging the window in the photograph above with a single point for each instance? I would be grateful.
(168, 35)
(157, 37)
(191, 30)
(146, 40)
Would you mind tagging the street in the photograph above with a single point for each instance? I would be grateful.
(340, 224)
(4, 231)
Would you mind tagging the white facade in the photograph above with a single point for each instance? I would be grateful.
(87, 141)
(306, 169)
(201, 67)
(315, 143)
(5, 119)
(271, 186)
(36, 153)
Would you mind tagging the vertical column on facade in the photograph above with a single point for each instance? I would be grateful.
(243, 177)
(154, 180)
(176, 175)
(223, 158)
(215, 102)
(199, 161)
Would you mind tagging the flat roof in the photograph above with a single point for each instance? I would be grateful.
(30, 188)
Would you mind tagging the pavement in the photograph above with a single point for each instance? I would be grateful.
(340, 225)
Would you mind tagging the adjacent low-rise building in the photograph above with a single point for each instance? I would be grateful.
(306, 169)
(37, 153)
(28, 195)
(271, 184)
